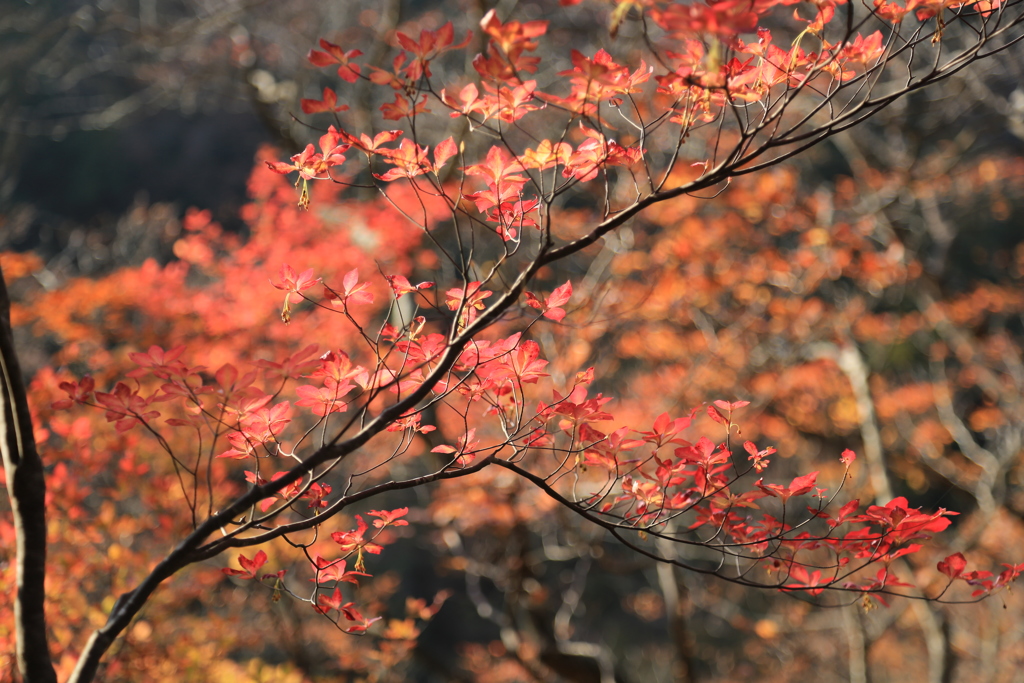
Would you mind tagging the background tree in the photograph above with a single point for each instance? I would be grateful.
(221, 316)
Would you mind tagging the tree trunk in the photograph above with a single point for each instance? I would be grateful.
(27, 490)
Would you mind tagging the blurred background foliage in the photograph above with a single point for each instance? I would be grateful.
(866, 295)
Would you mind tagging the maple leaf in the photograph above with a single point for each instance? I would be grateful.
(470, 299)
(228, 380)
(804, 580)
(866, 51)
(665, 429)
(368, 146)
(470, 102)
(334, 601)
(125, 407)
(597, 152)
(293, 366)
(249, 567)
(400, 285)
(334, 570)
(525, 363)
(355, 541)
(78, 392)
(728, 406)
(514, 103)
(584, 376)
(552, 305)
(429, 46)
(726, 18)
(409, 160)
(498, 169)
(403, 107)
(704, 453)
(389, 517)
(546, 155)
(353, 614)
(353, 291)
(444, 151)
(724, 499)
(162, 364)
(264, 424)
(333, 54)
(472, 294)
(845, 513)
(600, 78)
(760, 457)
(716, 415)
(464, 451)
(423, 349)
(577, 407)
(324, 400)
(312, 164)
(798, 487)
(905, 523)
(294, 284)
(243, 404)
(512, 37)
(317, 494)
(329, 102)
(410, 420)
(241, 447)
(337, 367)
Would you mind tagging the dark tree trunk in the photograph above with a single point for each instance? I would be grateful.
(27, 490)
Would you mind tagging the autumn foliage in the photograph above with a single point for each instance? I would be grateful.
(516, 304)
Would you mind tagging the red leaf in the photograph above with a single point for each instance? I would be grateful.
(560, 296)
(328, 103)
(249, 567)
(444, 151)
(953, 566)
(389, 517)
(802, 485)
(731, 406)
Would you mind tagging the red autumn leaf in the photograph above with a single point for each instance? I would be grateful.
(389, 517)
(731, 406)
(409, 161)
(249, 567)
(329, 102)
(324, 400)
(333, 54)
(78, 392)
(716, 415)
(552, 305)
(444, 151)
(953, 566)
(292, 366)
(403, 107)
(797, 487)
(803, 484)
(803, 580)
(432, 43)
(295, 283)
(334, 570)
(334, 601)
(400, 285)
